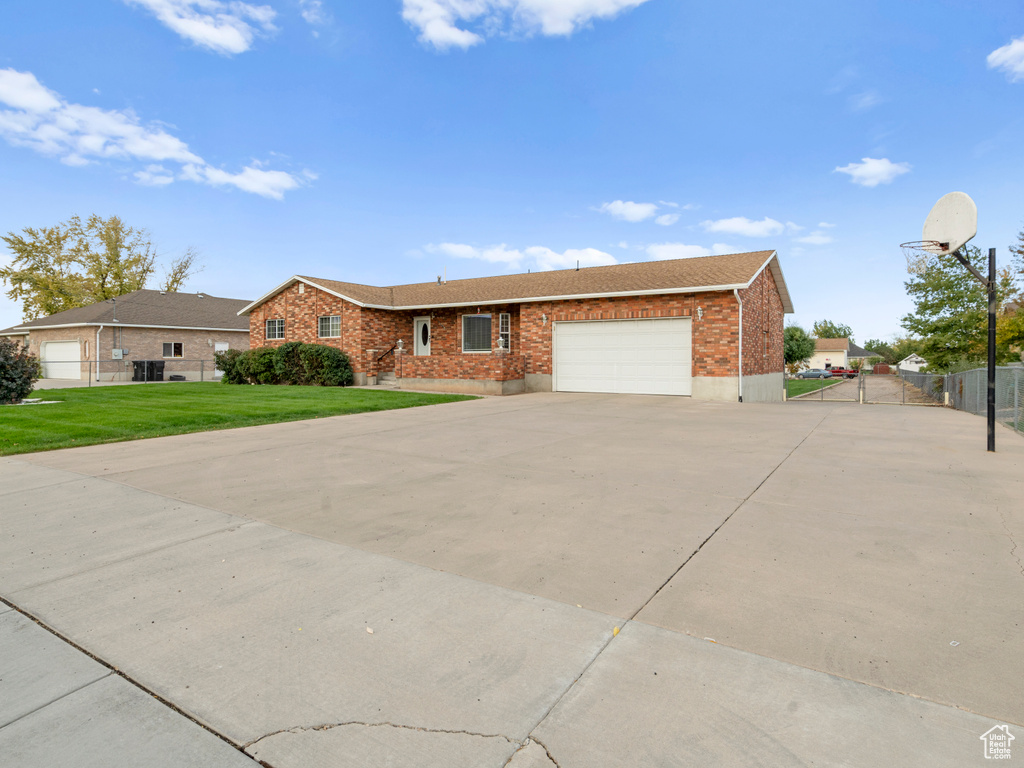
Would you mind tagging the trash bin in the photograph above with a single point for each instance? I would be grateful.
(156, 370)
(139, 370)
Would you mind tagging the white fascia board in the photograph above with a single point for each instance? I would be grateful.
(296, 279)
(571, 297)
(109, 324)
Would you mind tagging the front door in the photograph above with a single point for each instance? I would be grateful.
(421, 334)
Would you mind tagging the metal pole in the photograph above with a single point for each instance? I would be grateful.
(992, 349)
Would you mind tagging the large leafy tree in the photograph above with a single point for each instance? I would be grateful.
(826, 329)
(951, 308)
(797, 345)
(76, 263)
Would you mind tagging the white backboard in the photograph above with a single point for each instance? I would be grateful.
(953, 221)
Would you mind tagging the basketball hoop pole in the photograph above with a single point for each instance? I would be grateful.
(990, 285)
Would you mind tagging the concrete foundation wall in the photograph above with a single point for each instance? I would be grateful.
(723, 388)
(766, 388)
(466, 386)
(538, 382)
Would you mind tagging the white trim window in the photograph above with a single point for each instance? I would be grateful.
(476, 333)
(329, 327)
(275, 329)
(174, 349)
(505, 331)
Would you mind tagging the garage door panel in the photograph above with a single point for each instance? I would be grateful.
(60, 359)
(629, 356)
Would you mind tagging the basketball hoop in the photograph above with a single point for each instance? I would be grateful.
(919, 252)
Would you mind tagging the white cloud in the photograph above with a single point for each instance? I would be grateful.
(667, 219)
(41, 120)
(629, 211)
(535, 257)
(313, 12)
(720, 248)
(154, 176)
(438, 21)
(223, 27)
(740, 225)
(662, 251)
(791, 227)
(1010, 59)
(871, 172)
(825, 225)
(817, 237)
(862, 102)
(667, 204)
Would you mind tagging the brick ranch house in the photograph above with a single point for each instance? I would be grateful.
(102, 340)
(682, 327)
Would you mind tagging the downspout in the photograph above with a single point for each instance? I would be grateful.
(98, 352)
(739, 301)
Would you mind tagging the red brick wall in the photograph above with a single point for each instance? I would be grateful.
(480, 366)
(762, 326)
(300, 312)
(715, 334)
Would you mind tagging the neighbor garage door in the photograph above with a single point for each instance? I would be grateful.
(60, 360)
(650, 357)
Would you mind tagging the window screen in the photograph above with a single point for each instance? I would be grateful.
(275, 329)
(174, 349)
(330, 327)
(476, 333)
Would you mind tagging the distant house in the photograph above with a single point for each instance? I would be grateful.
(912, 362)
(830, 353)
(104, 340)
(859, 353)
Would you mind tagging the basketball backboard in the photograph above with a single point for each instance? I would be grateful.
(953, 221)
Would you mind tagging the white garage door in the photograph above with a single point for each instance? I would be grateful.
(57, 357)
(651, 357)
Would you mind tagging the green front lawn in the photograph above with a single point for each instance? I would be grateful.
(93, 415)
(796, 387)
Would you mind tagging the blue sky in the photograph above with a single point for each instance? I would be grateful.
(384, 142)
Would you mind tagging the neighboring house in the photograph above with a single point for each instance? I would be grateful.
(859, 353)
(830, 353)
(912, 362)
(16, 335)
(180, 330)
(665, 327)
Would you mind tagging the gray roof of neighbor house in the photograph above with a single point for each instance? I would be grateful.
(155, 309)
(831, 345)
(856, 351)
(706, 273)
(12, 332)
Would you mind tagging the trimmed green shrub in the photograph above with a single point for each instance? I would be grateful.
(19, 370)
(325, 366)
(227, 363)
(288, 363)
(256, 366)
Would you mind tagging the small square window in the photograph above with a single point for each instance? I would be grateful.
(330, 327)
(476, 333)
(275, 329)
(174, 349)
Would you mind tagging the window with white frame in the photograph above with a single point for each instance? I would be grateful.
(476, 333)
(174, 349)
(330, 327)
(505, 331)
(275, 329)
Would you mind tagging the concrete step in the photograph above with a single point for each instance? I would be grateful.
(386, 377)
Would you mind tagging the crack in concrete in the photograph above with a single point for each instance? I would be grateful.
(383, 724)
(1009, 535)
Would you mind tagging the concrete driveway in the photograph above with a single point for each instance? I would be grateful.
(793, 585)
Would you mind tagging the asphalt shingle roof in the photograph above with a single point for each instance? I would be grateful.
(831, 345)
(154, 308)
(644, 277)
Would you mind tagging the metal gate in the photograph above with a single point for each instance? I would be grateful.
(834, 390)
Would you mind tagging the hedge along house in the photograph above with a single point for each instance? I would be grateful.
(710, 327)
(102, 340)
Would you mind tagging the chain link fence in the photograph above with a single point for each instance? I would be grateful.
(968, 391)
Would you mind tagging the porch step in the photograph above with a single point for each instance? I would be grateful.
(386, 377)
